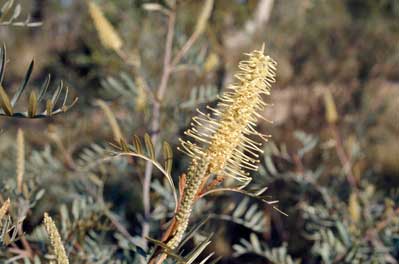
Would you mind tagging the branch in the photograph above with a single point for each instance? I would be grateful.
(156, 119)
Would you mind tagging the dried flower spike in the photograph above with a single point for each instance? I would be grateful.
(4, 208)
(109, 37)
(20, 159)
(55, 240)
(222, 145)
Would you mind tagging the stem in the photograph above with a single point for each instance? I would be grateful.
(186, 47)
(156, 119)
(169, 65)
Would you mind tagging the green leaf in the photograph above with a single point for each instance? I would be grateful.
(57, 94)
(40, 194)
(170, 252)
(17, 12)
(3, 52)
(137, 145)
(63, 105)
(168, 156)
(193, 255)
(123, 145)
(23, 85)
(44, 88)
(149, 146)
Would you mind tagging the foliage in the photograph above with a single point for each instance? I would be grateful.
(145, 68)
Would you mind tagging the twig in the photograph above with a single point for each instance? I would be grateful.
(156, 119)
(199, 29)
(186, 47)
(169, 65)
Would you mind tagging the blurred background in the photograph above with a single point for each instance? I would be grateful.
(332, 161)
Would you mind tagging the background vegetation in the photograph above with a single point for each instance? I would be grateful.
(332, 161)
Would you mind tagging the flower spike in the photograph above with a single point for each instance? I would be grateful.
(222, 143)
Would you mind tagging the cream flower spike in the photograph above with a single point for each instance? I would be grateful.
(4, 209)
(55, 239)
(223, 137)
(222, 145)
